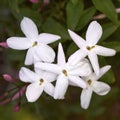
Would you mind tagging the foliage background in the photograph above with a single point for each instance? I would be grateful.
(57, 17)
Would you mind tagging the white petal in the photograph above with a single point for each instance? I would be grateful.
(103, 51)
(61, 87)
(27, 75)
(86, 97)
(18, 43)
(60, 55)
(79, 41)
(33, 92)
(49, 76)
(83, 69)
(49, 67)
(29, 59)
(78, 81)
(94, 61)
(36, 58)
(38, 71)
(100, 88)
(47, 38)
(49, 89)
(103, 70)
(93, 33)
(45, 53)
(76, 57)
(29, 29)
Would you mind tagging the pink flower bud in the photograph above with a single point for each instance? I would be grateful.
(34, 1)
(8, 78)
(46, 2)
(17, 107)
(19, 93)
(4, 44)
(5, 101)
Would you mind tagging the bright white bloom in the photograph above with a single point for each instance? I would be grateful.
(67, 72)
(38, 50)
(40, 81)
(89, 46)
(93, 85)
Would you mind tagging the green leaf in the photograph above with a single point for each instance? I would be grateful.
(108, 29)
(108, 8)
(109, 76)
(72, 48)
(54, 27)
(14, 7)
(114, 45)
(20, 12)
(85, 17)
(74, 10)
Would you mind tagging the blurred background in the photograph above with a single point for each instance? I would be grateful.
(56, 16)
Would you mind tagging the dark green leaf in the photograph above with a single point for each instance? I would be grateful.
(108, 29)
(109, 76)
(74, 10)
(20, 12)
(114, 45)
(71, 49)
(52, 26)
(85, 17)
(108, 8)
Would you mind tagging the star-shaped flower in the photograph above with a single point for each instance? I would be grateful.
(89, 46)
(67, 72)
(93, 85)
(39, 81)
(38, 50)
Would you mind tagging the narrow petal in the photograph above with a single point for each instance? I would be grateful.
(76, 57)
(61, 87)
(49, 67)
(79, 41)
(49, 76)
(47, 38)
(18, 43)
(85, 98)
(27, 75)
(33, 92)
(94, 33)
(60, 55)
(29, 28)
(78, 81)
(103, 70)
(94, 61)
(103, 51)
(45, 53)
(49, 89)
(29, 60)
(100, 88)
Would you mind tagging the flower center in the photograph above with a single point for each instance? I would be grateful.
(41, 81)
(34, 44)
(89, 82)
(64, 72)
(90, 47)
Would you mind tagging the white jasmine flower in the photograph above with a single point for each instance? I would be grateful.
(39, 81)
(93, 85)
(66, 72)
(89, 46)
(38, 50)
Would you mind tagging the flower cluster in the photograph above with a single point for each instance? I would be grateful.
(76, 71)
